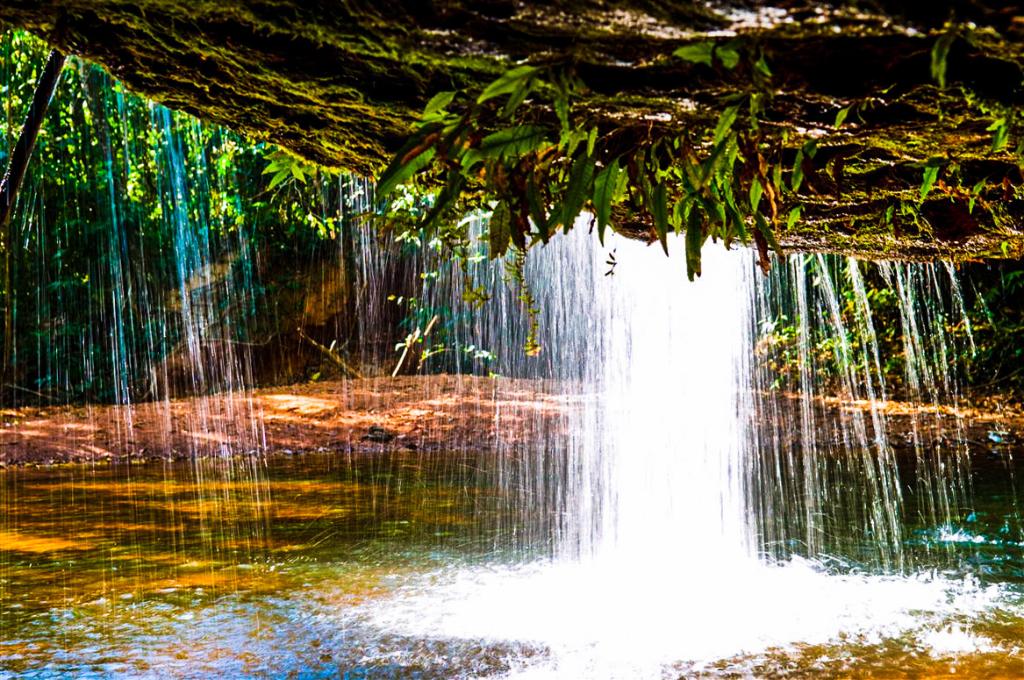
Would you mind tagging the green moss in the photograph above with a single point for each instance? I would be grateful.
(342, 87)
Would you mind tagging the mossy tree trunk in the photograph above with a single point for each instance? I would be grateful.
(11, 185)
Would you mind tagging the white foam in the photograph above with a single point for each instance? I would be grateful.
(603, 619)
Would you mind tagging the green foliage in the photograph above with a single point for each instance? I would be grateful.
(130, 210)
(517, 271)
(931, 173)
(981, 319)
(543, 165)
(411, 158)
(285, 167)
(841, 116)
(499, 230)
(1001, 134)
(608, 187)
(831, 356)
(521, 148)
(514, 81)
(707, 53)
(940, 53)
(434, 327)
(996, 363)
(736, 167)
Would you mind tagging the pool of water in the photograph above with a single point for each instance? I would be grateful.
(422, 566)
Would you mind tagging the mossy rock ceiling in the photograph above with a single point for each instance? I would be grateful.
(341, 83)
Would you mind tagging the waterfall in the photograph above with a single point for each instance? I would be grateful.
(726, 457)
(741, 411)
(152, 267)
(138, 301)
(659, 441)
(844, 469)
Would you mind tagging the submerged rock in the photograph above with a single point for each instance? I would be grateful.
(378, 434)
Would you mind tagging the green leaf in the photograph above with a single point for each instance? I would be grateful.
(517, 97)
(931, 173)
(768, 233)
(709, 165)
(390, 181)
(507, 83)
(940, 53)
(794, 216)
(620, 186)
(445, 198)
(591, 141)
(562, 111)
(694, 242)
(499, 230)
(581, 182)
(677, 218)
(414, 155)
(841, 116)
(728, 56)
(975, 192)
(570, 140)
(514, 141)
(605, 186)
(798, 172)
(1001, 136)
(280, 177)
(536, 208)
(714, 208)
(725, 123)
(756, 191)
(659, 211)
(439, 101)
(698, 53)
(454, 140)
(736, 224)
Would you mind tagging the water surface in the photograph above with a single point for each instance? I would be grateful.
(408, 565)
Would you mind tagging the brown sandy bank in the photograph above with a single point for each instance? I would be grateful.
(366, 415)
(377, 414)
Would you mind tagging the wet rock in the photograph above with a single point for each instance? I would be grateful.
(1000, 436)
(378, 434)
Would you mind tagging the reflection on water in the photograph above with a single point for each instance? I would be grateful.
(222, 568)
(406, 566)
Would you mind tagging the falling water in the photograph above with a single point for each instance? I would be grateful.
(668, 369)
(151, 271)
(701, 492)
(842, 469)
(684, 406)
